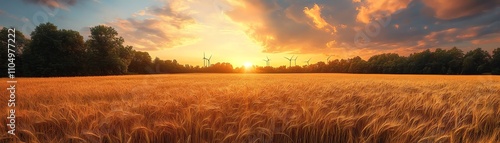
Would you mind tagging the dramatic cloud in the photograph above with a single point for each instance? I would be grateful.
(374, 8)
(493, 39)
(402, 26)
(155, 28)
(438, 37)
(320, 23)
(61, 4)
(281, 27)
(451, 9)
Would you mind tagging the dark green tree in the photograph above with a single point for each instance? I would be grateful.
(73, 52)
(386, 63)
(140, 63)
(357, 65)
(476, 62)
(42, 56)
(438, 62)
(455, 56)
(54, 52)
(157, 65)
(495, 62)
(417, 62)
(106, 52)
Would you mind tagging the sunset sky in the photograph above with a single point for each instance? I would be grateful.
(242, 31)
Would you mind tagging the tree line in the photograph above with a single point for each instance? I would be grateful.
(439, 61)
(59, 52)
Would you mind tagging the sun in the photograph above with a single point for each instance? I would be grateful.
(247, 65)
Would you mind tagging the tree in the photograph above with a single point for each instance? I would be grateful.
(476, 62)
(21, 42)
(73, 52)
(495, 62)
(438, 62)
(42, 54)
(140, 63)
(356, 65)
(455, 63)
(107, 55)
(385, 63)
(157, 63)
(417, 62)
(54, 52)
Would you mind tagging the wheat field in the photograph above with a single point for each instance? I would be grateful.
(257, 108)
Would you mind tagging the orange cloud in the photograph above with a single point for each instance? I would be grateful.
(452, 9)
(61, 4)
(495, 38)
(315, 14)
(452, 35)
(469, 32)
(164, 27)
(440, 34)
(438, 37)
(301, 26)
(283, 29)
(375, 8)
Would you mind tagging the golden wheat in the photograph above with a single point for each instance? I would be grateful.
(257, 108)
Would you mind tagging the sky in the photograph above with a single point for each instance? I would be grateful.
(248, 31)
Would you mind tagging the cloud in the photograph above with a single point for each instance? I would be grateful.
(155, 28)
(297, 26)
(374, 8)
(494, 38)
(61, 4)
(438, 37)
(476, 35)
(315, 14)
(452, 9)
(12, 16)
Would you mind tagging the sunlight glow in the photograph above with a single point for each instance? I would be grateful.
(247, 65)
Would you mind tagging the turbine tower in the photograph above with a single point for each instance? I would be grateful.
(289, 60)
(328, 59)
(204, 60)
(208, 60)
(267, 61)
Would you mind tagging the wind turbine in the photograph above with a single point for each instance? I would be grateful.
(267, 60)
(204, 60)
(295, 60)
(290, 60)
(328, 59)
(308, 61)
(208, 60)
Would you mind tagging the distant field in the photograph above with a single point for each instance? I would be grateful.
(257, 108)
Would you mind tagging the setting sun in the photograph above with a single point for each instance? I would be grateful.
(247, 65)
